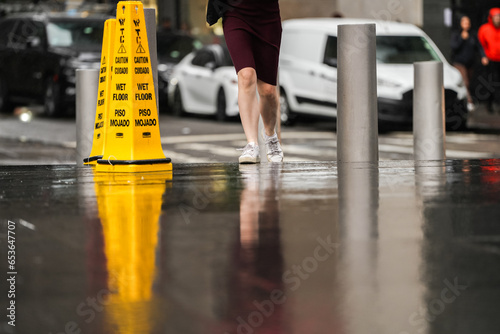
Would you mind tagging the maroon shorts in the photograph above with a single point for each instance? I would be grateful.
(252, 30)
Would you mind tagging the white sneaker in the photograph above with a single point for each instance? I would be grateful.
(273, 148)
(250, 155)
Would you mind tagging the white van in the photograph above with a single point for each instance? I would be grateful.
(308, 73)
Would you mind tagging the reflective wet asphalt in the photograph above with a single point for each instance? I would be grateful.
(302, 248)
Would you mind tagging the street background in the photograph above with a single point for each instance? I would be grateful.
(194, 139)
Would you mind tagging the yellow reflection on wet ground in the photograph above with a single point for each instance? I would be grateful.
(129, 207)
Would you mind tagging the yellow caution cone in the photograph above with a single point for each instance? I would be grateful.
(132, 141)
(103, 93)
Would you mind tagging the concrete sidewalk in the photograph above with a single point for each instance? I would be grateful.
(272, 248)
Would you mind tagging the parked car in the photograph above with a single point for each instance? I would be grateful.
(205, 82)
(172, 47)
(39, 54)
(308, 70)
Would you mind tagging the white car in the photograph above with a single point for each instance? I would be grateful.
(308, 70)
(205, 82)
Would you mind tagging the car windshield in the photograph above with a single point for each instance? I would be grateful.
(404, 50)
(76, 34)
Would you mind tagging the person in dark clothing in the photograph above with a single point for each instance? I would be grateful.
(464, 48)
(489, 36)
(252, 30)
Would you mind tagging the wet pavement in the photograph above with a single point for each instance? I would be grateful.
(400, 248)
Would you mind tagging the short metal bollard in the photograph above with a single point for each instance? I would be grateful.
(357, 116)
(87, 81)
(428, 112)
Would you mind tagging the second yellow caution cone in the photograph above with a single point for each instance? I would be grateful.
(132, 140)
(103, 93)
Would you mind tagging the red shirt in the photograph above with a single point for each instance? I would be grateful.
(489, 36)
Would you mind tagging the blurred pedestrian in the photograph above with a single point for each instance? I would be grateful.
(464, 48)
(252, 30)
(489, 36)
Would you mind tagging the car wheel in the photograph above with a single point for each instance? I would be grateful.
(51, 100)
(4, 100)
(286, 115)
(177, 105)
(221, 106)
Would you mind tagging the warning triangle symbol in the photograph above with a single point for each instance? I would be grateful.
(140, 49)
(122, 49)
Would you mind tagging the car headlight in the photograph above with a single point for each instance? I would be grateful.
(387, 83)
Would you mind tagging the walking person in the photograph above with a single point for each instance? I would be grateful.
(252, 30)
(489, 36)
(464, 48)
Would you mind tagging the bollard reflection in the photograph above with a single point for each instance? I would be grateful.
(129, 207)
(430, 176)
(358, 200)
(358, 224)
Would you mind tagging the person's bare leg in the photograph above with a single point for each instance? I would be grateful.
(248, 103)
(269, 103)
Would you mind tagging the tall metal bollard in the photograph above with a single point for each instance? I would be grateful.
(87, 81)
(357, 117)
(150, 16)
(428, 111)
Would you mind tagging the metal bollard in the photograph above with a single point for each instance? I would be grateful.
(428, 111)
(357, 116)
(150, 17)
(87, 81)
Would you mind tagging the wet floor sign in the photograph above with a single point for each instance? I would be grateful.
(132, 135)
(102, 95)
